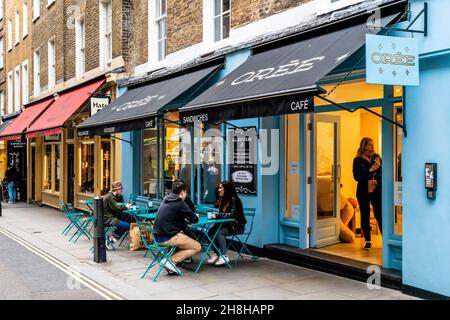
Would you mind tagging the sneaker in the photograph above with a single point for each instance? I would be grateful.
(222, 260)
(170, 268)
(367, 246)
(109, 246)
(112, 239)
(213, 259)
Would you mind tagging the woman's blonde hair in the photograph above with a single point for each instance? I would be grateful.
(362, 146)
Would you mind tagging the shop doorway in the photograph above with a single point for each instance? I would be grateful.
(33, 173)
(327, 186)
(335, 216)
(70, 173)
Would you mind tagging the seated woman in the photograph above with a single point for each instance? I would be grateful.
(230, 206)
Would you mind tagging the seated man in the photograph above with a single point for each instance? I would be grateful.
(113, 212)
(170, 223)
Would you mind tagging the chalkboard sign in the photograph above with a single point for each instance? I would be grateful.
(242, 159)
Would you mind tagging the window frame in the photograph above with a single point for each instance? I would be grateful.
(25, 82)
(80, 47)
(36, 9)
(17, 28)
(51, 59)
(10, 92)
(37, 72)
(17, 87)
(24, 19)
(161, 23)
(220, 16)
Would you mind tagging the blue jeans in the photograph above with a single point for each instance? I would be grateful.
(121, 228)
(12, 192)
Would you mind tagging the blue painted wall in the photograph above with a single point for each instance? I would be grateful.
(426, 223)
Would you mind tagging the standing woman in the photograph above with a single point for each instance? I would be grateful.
(230, 206)
(367, 171)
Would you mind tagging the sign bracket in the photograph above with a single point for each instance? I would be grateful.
(405, 133)
(117, 138)
(423, 12)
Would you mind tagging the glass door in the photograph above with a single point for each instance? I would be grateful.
(327, 180)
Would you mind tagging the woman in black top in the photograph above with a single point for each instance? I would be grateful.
(367, 167)
(230, 206)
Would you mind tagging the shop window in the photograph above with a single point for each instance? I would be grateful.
(351, 91)
(48, 167)
(105, 155)
(292, 167)
(150, 161)
(211, 163)
(52, 164)
(86, 182)
(57, 166)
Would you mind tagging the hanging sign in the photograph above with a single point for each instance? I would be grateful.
(98, 103)
(242, 159)
(392, 60)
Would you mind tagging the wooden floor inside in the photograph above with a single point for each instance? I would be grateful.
(355, 250)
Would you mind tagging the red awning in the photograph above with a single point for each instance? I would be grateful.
(17, 127)
(53, 119)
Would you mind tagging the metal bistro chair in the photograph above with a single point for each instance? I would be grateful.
(250, 216)
(160, 253)
(85, 224)
(76, 220)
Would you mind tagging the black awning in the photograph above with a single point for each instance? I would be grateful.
(278, 81)
(139, 107)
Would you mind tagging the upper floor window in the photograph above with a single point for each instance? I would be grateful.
(17, 27)
(25, 19)
(80, 46)
(36, 9)
(25, 93)
(17, 88)
(105, 33)
(10, 92)
(2, 53)
(2, 103)
(222, 20)
(2, 8)
(37, 72)
(161, 23)
(10, 32)
(51, 64)
(49, 2)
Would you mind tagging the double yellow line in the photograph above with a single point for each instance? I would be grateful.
(76, 275)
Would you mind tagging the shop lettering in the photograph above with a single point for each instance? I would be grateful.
(299, 106)
(83, 133)
(135, 104)
(280, 71)
(109, 130)
(393, 59)
(149, 124)
(196, 118)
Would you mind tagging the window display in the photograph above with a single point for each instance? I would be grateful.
(87, 167)
(105, 154)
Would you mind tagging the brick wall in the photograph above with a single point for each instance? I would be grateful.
(134, 33)
(185, 22)
(20, 52)
(3, 70)
(248, 11)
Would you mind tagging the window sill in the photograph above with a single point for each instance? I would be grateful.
(50, 4)
(35, 19)
(25, 36)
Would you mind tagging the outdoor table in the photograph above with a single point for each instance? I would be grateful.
(141, 212)
(90, 204)
(205, 224)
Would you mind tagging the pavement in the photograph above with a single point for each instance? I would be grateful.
(38, 229)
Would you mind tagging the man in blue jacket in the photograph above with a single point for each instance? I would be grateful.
(170, 223)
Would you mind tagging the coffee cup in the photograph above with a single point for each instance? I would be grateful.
(150, 204)
(134, 207)
(209, 214)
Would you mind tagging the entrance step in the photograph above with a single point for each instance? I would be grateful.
(344, 267)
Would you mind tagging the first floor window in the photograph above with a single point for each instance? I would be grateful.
(86, 182)
(221, 19)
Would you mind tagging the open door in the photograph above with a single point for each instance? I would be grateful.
(326, 184)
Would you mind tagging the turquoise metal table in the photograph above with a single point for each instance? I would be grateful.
(206, 241)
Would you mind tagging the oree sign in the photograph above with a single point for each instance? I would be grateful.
(392, 60)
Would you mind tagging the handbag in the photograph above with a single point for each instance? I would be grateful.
(372, 184)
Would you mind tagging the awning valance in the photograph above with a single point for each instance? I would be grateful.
(25, 119)
(138, 107)
(278, 81)
(53, 119)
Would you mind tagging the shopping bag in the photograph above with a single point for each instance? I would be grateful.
(135, 237)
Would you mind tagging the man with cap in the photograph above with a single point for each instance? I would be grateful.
(113, 211)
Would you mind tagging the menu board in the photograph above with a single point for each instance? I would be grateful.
(243, 159)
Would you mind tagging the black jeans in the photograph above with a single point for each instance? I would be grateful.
(364, 201)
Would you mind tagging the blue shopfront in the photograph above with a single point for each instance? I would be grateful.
(304, 191)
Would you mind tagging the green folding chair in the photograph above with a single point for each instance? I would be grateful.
(250, 216)
(161, 254)
(77, 221)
